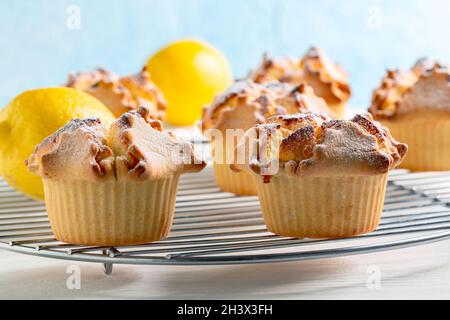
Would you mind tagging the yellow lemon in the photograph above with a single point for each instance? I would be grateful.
(190, 73)
(32, 116)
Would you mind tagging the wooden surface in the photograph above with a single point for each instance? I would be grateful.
(420, 272)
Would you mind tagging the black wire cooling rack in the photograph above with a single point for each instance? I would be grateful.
(214, 227)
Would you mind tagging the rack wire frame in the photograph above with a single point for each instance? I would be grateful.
(217, 228)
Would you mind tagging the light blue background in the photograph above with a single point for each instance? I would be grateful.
(38, 50)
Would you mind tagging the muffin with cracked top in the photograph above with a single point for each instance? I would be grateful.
(415, 106)
(112, 186)
(328, 80)
(239, 108)
(321, 178)
(121, 94)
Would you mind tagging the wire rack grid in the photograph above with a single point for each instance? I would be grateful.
(214, 227)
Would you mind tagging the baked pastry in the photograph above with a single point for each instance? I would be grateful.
(112, 186)
(243, 105)
(415, 106)
(321, 178)
(328, 80)
(121, 94)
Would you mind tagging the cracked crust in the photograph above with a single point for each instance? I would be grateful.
(241, 106)
(299, 99)
(424, 88)
(121, 94)
(308, 144)
(247, 103)
(135, 147)
(328, 80)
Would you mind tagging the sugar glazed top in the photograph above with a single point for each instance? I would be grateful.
(424, 88)
(328, 80)
(246, 103)
(309, 144)
(134, 147)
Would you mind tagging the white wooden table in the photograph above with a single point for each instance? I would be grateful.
(420, 272)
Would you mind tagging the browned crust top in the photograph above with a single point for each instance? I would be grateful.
(121, 94)
(247, 103)
(425, 87)
(308, 144)
(134, 147)
(328, 80)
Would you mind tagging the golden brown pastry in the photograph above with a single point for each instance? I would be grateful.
(415, 106)
(298, 99)
(242, 106)
(239, 107)
(321, 178)
(328, 80)
(112, 186)
(121, 94)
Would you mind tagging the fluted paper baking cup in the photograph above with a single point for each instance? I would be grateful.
(110, 213)
(428, 143)
(322, 207)
(240, 183)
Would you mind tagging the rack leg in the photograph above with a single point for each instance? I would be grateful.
(107, 268)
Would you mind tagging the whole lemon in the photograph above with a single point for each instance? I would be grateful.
(32, 116)
(190, 73)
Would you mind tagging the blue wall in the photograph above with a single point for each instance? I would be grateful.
(38, 49)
